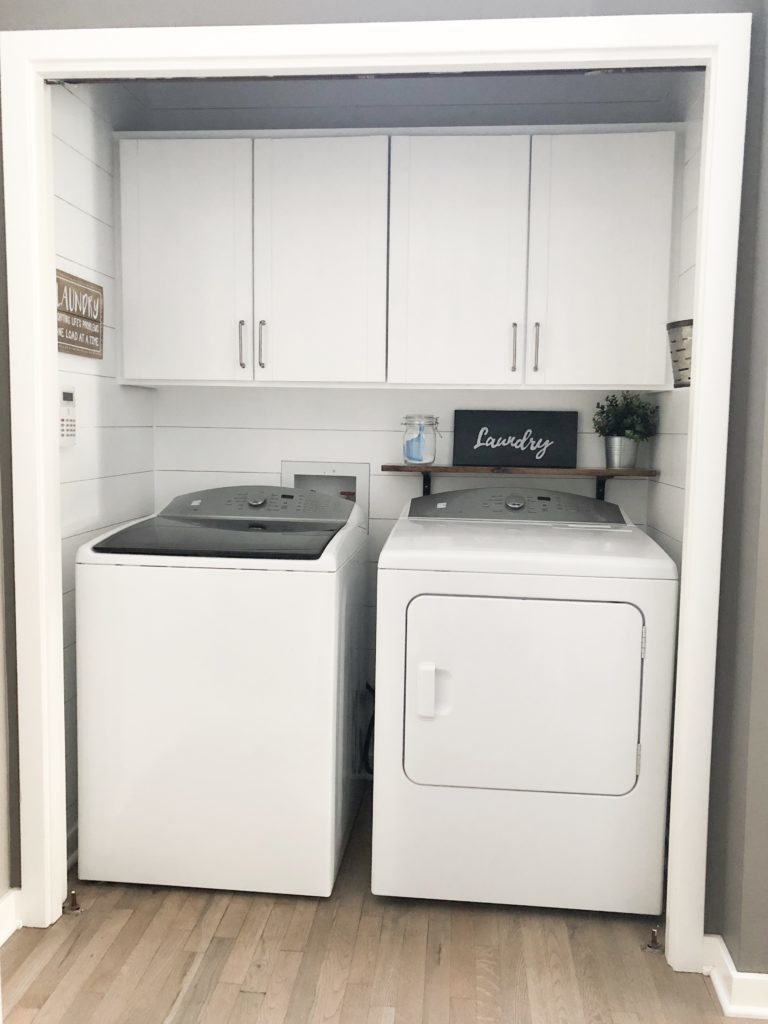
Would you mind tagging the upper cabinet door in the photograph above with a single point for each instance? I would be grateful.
(320, 272)
(601, 215)
(458, 245)
(186, 247)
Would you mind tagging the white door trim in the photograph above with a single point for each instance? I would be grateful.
(10, 914)
(718, 41)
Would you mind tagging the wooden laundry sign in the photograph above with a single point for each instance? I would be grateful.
(80, 316)
(484, 437)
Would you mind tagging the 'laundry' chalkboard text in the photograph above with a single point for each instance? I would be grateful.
(484, 437)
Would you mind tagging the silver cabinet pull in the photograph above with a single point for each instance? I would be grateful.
(514, 348)
(536, 329)
(262, 325)
(240, 326)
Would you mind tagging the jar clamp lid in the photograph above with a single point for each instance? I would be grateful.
(419, 417)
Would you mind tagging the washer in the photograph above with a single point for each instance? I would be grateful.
(218, 664)
(525, 651)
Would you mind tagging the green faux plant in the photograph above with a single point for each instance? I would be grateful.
(626, 415)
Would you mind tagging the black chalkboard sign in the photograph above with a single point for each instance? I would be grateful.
(502, 438)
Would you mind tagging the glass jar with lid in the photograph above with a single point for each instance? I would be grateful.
(419, 439)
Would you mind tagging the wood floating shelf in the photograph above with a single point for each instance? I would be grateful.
(600, 475)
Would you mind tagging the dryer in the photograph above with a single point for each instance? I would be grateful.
(524, 670)
(219, 659)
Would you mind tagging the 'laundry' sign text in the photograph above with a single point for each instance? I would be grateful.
(527, 442)
(502, 438)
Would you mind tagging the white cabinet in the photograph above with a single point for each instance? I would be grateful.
(595, 259)
(457, 267)
(601, 216)
(513, 260)
(187, 299)
(320, 258)
(302, 222)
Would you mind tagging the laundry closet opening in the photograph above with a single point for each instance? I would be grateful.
(163, 408)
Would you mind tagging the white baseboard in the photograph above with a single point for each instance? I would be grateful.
(741, 994)
(10, 914)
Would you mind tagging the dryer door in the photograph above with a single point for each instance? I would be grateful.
(511, 693)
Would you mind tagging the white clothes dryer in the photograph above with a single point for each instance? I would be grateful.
(524, 668)
(219, 658)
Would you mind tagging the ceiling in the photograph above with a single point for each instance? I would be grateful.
(612, 96)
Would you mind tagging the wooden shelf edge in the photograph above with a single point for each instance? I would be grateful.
(577, 471)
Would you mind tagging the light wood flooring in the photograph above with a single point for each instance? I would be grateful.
(139, 955)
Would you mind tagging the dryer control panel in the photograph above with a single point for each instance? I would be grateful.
(516, 504)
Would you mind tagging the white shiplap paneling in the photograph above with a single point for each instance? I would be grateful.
(108, 451)
(101, 405)
(81, 183)
(100, 502)
(666, 495)
(107, 477)
(84, 239)
(346, 409)
(83, 128)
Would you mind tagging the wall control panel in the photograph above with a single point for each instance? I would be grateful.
(67, 420)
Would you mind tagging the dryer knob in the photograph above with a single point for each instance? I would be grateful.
(515, 504)
(257, 502)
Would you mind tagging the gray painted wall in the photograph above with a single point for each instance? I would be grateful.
(5, 837)
(738, 870)
(737, 877)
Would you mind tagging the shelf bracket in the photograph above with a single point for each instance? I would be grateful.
(426, 482)
(600, 488)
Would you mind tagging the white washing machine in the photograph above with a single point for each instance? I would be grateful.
(525, 651)
(219, 657)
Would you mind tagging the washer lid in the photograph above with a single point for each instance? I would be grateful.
(237, 522)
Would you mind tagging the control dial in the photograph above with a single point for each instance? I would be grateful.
(515, 504)
(256, 502)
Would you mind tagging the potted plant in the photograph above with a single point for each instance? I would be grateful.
(623, 420)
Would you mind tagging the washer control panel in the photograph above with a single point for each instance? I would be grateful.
(516, 504)
(262, 503)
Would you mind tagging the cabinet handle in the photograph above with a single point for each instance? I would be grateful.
(240, 326)
(262, 325)
(514, 348)
(536, 329)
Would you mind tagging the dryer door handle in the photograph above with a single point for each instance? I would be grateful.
(426, 672)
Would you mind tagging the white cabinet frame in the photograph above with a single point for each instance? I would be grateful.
(719, 42)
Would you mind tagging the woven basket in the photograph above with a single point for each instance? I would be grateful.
(680, 334)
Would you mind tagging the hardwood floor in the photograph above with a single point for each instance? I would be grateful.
(138, 955)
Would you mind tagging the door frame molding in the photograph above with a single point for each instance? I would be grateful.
(718, 42)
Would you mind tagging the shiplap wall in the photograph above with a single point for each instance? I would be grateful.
(666, 494)
(108, 476)
(213, 437)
